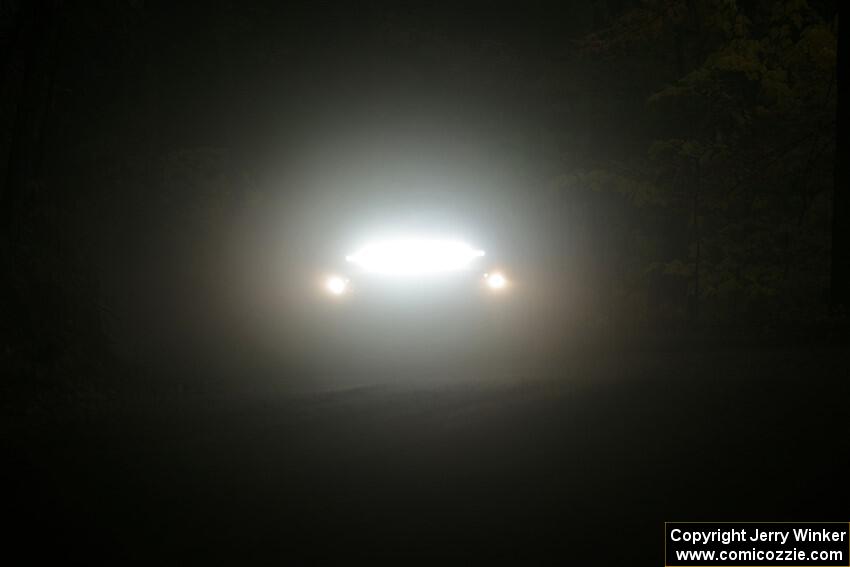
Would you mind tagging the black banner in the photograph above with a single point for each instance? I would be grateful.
(762, 544)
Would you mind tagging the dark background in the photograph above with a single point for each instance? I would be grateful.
(659, 178)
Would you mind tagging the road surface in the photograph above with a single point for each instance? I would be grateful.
(572, 462)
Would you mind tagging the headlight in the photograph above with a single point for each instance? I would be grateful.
(414, 256)
(336, 285)
(496, 281)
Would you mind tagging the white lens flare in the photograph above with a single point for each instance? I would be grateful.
(336, 285)
(413, 256)
(496, 281)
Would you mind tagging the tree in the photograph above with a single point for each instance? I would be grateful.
(740, 162)
(840, 249)
(38, 23)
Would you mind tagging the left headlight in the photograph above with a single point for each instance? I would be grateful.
(336, 285)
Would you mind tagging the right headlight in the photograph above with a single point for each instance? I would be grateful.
(496, 281)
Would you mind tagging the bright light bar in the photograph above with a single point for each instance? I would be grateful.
(408, 257)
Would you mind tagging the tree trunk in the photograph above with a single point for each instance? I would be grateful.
(840, 251)
(697, 246)
(38, 28)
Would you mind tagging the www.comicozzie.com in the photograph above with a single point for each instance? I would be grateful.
(823, 544)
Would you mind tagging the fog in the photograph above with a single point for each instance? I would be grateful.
(658, 183)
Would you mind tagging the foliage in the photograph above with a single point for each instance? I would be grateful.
(740, 163)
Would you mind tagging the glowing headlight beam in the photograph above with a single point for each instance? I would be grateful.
(496, 281)
(336, 285)
(407, 257)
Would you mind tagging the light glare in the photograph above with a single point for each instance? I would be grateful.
(336, 285)
(496, 281)
(405, 257)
